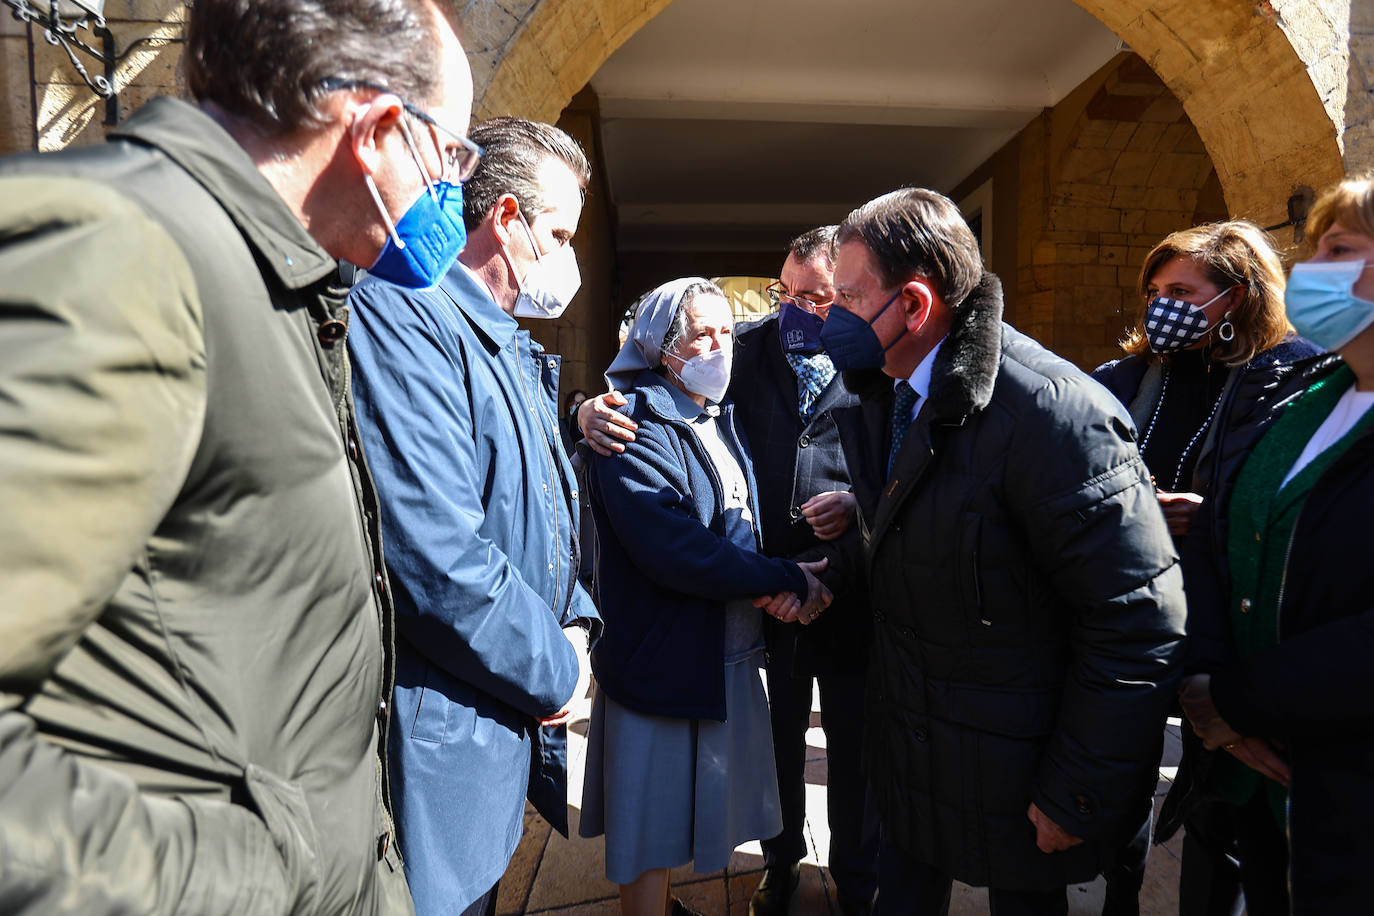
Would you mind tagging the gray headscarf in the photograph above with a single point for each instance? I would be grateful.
(653, 319)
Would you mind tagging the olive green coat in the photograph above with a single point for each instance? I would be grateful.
(194, 632)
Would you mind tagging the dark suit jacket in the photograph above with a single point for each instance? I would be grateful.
(794, 461)
(1028, 609)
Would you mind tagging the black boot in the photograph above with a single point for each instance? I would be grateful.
(775, 889)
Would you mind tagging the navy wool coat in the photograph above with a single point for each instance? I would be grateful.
(665, 567)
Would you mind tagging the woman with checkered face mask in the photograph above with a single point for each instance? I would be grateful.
(1211, 340)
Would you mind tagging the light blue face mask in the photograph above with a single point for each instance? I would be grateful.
(1322, 304)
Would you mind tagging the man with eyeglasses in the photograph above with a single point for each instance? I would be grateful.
(457, 407)
(195, 622)
(785, 387)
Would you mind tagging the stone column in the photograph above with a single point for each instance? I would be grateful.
(16, 98)
(1359, 103)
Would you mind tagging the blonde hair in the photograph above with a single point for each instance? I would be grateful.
(1349, 202)
(1231, 253)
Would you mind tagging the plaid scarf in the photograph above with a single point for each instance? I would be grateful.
(814, 372)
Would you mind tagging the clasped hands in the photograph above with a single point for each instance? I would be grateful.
(1259, 754)
(787, 607)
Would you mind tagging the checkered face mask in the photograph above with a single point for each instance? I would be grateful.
(1172, 324)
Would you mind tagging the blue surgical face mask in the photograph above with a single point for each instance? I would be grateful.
(1322, 304)
(800, 329)
(852, 343)
(430, 235)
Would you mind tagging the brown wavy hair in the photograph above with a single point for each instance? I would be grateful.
(1231, 253)
(1349, 202)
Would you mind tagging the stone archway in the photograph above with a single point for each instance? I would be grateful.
(1245, 88)
(1231, 63)
(552, 53)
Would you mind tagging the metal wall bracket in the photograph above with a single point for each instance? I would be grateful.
(1299, 205)
(62, 21)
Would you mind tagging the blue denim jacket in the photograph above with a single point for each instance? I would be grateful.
(457, 408)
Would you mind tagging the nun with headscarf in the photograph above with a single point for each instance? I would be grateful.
(680, 759)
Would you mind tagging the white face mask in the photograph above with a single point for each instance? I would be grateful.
(707, 374)
(550, 284)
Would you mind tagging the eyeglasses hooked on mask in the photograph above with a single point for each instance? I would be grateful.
(423, 244)
(459, 157)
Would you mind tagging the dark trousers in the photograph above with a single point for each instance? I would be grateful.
(1211, 879)
(1125, 871)
(484, 905)
(853, 819)
(910, 888)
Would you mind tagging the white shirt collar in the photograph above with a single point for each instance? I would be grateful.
(920, 377)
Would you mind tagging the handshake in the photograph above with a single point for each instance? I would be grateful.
(787, 607)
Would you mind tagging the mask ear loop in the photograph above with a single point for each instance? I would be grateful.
(1226, 331)
(381, 208)
(414, 150)
(377, 197)
(529, 233)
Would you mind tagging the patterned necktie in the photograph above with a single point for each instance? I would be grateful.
(902, 401)
(814, 372)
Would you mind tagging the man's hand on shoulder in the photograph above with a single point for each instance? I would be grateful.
(605, 428)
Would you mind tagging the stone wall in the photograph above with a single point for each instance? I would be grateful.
(16, 86)
(535, 55)
(1250, 88)
(1231, 105)
(1105, 175)
(48, 107)
(1359, 103)
(585, 334)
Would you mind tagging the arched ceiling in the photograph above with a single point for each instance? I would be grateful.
(725, 123)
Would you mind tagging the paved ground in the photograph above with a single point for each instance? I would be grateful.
(553, 875)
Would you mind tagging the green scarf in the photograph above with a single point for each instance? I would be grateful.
(1263, 515)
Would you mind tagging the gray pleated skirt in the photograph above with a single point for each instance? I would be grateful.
(668, 791)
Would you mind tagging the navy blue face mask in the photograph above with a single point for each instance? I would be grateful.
(852, 343)
(800, 329)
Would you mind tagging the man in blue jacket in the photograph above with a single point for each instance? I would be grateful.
(479, 506)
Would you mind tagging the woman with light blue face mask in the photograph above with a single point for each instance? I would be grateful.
(1281, 611)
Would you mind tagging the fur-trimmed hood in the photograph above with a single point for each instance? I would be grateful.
(965, 369)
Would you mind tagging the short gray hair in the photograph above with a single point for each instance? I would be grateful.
(677, 329)
(270, 62)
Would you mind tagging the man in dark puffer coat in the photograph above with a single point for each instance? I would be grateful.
(1027, 599)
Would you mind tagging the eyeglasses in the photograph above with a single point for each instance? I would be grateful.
(459, 158)
(778, 294)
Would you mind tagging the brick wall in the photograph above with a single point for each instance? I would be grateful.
(46, 102)
(1105, 175)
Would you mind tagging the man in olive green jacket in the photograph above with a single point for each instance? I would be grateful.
(195, 632)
